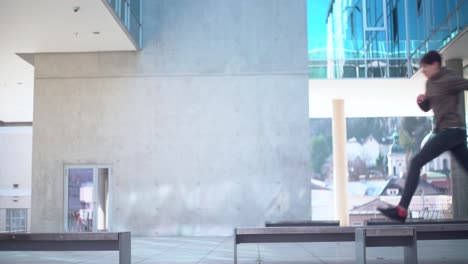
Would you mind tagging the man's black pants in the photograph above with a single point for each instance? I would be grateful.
(451, 139)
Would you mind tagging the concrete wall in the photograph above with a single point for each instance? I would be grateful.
(205, 128)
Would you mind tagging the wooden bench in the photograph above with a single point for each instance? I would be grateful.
(69, 242)
(380, 222)
(301, 223)
(292, 234)
(438, 232)
(349, 234)
(387, 237)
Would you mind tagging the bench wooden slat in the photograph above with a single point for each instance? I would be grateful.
(302, 223)
(295, 238)
(389, 232)
(59, 236)
(439, 228)
(441, 232)
(66, 245)
(345, 229)
(294, 234)
(431, 227)
(380, 222)
(294, 230)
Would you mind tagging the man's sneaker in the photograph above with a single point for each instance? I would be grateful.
(395, 213)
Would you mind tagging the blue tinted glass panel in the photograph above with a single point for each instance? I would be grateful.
(135, 9)
(134, 29)
(439, 13)
(398, 68)
(375, 13)
(113, 4)
(376, 43)
(463, 15)
(123, 9)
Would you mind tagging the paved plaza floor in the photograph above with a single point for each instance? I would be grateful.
(219, 250)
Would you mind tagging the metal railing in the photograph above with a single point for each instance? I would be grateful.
(356, 68)
(435, 30)
(440, 35)
(130, 14)
(432, 214)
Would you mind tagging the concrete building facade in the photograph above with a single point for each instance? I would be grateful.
(204, 129)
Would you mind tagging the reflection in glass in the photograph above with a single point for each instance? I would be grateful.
(80, 200)
(103, 199)
(431, 25)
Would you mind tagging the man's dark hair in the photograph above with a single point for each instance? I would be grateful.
(431, 57)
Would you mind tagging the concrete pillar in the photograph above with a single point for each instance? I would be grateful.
(340, 163)
(456, 65)
(459, 176)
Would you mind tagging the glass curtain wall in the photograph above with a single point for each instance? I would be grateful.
(383, 38)
(437, 23)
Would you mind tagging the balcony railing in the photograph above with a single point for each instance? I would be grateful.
(440, 35)
(130, 14)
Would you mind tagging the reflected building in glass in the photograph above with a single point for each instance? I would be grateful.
(384, 38)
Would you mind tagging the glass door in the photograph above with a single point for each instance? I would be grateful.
(86, 198)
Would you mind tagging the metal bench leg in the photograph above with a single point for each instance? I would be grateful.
(235, 248)
(360, 245)
(125, 248)
(411, 251)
